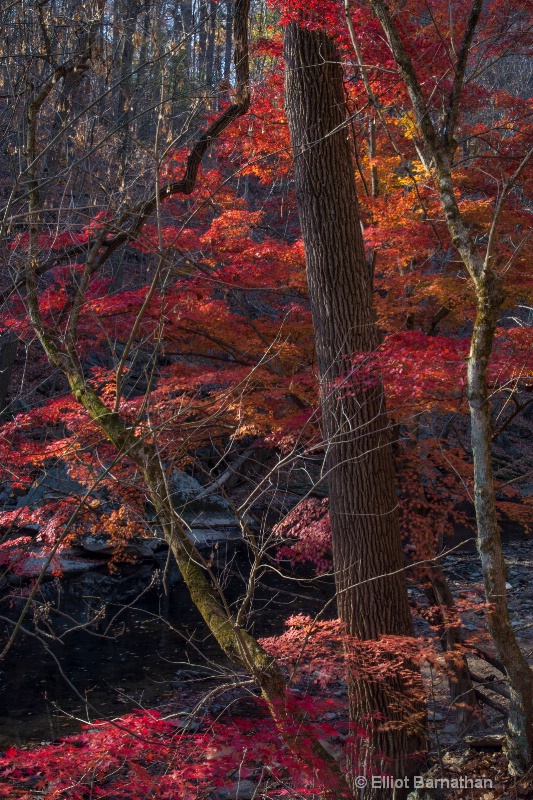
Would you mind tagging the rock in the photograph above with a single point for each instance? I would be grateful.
(209, 519)
(491, 741)
(190, 675)
(103, 546)
(242, 790)
(189, 726)
(507, 446)
(184, 490)
(206, 529)
(53, 484)
(119, 588)
(449, 730)
(183, 486)
(68, 565)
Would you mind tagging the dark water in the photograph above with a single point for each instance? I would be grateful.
(157, 632)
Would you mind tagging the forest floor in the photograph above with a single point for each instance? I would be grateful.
(458, 753)
(469, 755)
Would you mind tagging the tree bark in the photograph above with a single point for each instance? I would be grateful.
(372, 154)
(130, 12)
(372, 595)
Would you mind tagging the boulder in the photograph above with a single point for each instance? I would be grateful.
(185, 491)
(68, 564)
(242, 790)
(101, 545)
(53, 484)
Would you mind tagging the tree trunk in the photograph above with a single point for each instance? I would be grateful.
(519, 745)
(210, 51)
(130, 11)
(186, 18)
(203, 22)
(372, 593)
(227, 39)
(372, 154)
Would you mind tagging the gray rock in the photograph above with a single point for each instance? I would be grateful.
(210, 519)
(189, 726)
(243, 790)
(207, 529)
(183, 486)
(184, 490)
(507, 445)
(69, 565)
(492, 741)
(53, 484)
(103, 546)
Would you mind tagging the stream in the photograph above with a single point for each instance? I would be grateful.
(155, 631)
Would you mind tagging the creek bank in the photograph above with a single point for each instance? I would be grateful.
(209, 518)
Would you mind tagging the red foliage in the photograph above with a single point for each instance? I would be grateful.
(147, 755)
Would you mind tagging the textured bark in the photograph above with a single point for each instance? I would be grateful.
(202, 34)
(210, 48)
(372, 595)
(186, 24)
(372, 154)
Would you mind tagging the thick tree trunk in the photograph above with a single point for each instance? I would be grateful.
(372, 594)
